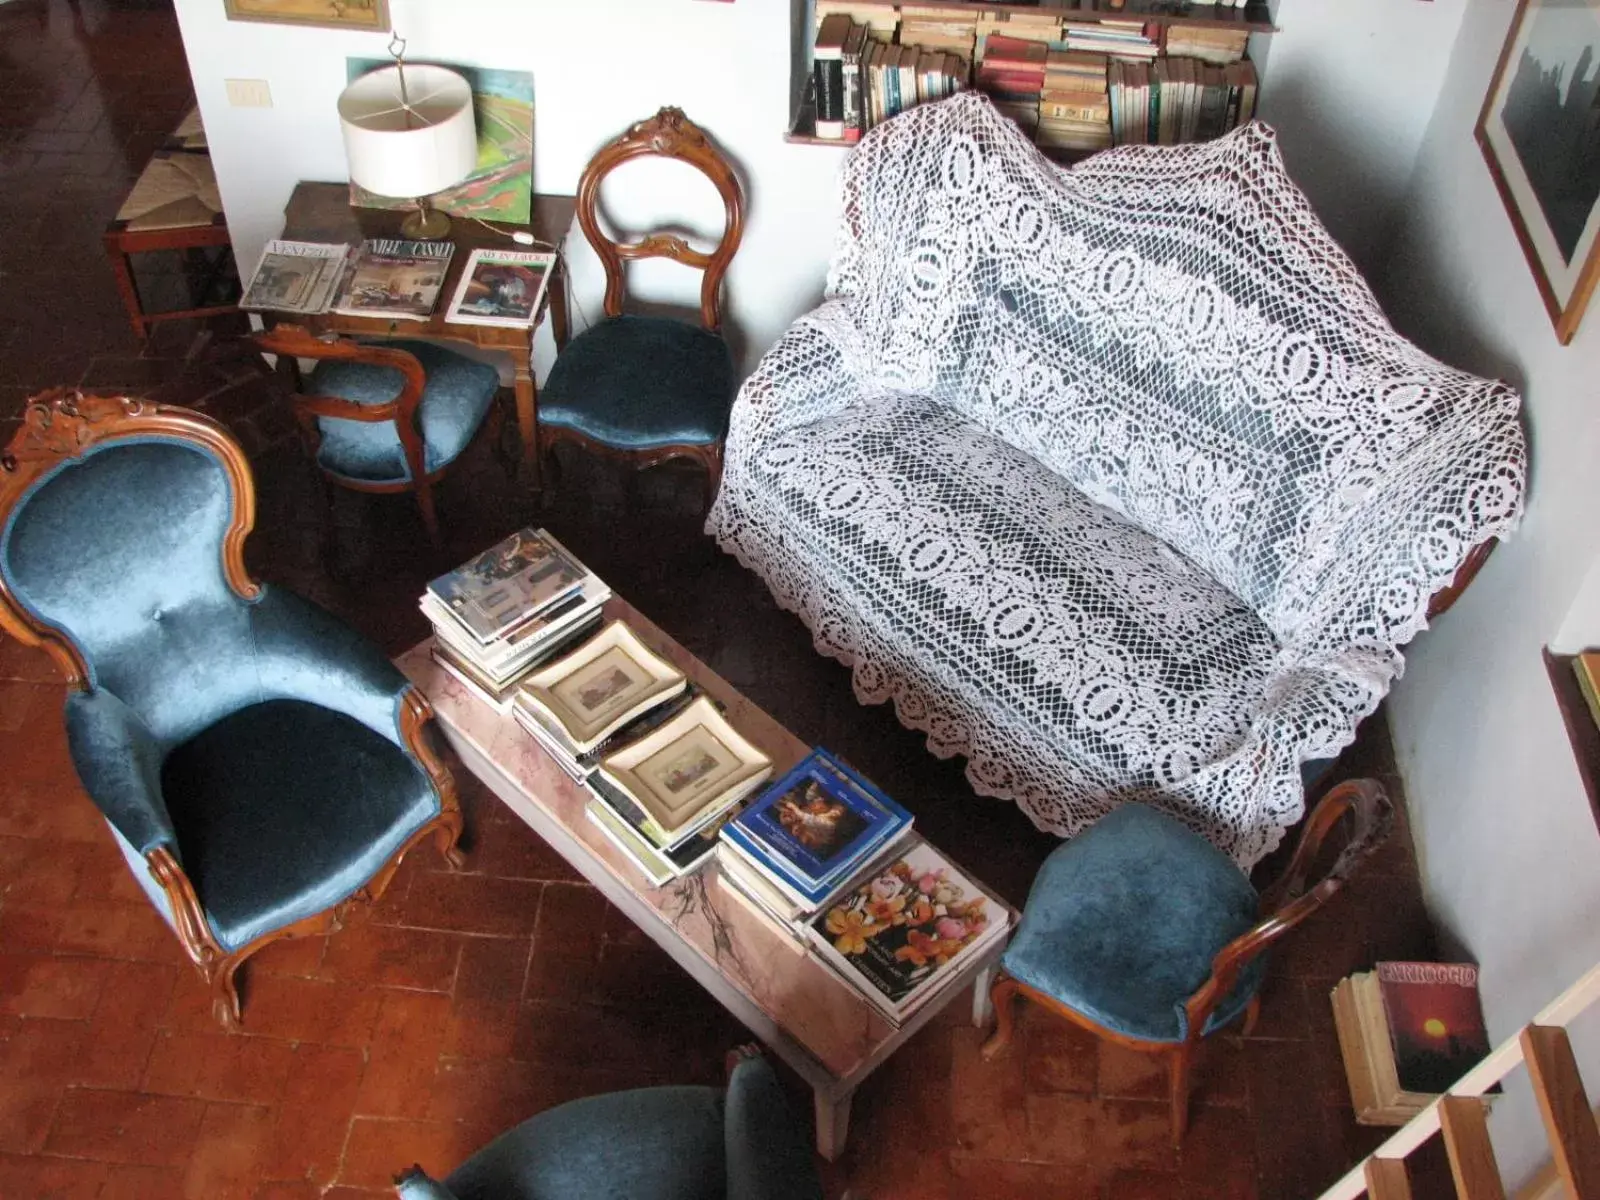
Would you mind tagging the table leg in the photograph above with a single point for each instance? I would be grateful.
(122, 269)
(833, 1123)
(981, 1009)
(527, 412)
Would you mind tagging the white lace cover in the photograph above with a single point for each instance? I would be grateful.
(1114, 479)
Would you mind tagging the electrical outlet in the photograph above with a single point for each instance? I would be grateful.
(248, 93)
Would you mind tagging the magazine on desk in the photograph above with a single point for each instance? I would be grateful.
(395, 278)
(296, 277)
(502, 287)
(510, 584)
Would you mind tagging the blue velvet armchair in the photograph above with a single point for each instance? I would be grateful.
(1141, 931)
(259, 764)
(661, 1143)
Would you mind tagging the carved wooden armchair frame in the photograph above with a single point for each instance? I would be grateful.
(293, 342)
(1292, 898)
(63, 425)
(668, 134)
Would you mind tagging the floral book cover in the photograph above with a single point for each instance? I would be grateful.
(1435, 1022)
(904, 925)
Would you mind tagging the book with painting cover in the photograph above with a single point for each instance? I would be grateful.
(1434, 1020)
(513, 581)
(906, 927)
(296, 277)
(502, 287)
(395, 278)
(821, 820)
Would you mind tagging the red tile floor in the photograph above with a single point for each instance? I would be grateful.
(467, 1001)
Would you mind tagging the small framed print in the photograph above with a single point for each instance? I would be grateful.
(1539, 135)
(602, 685)
(371, 15)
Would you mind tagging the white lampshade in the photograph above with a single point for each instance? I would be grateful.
(410, 143)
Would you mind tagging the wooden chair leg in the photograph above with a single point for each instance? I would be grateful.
(1178, 1070)
(1001, 996)
(1252, 1014)
(713, 474)
(448, 839)
(430, 517)
(225, 993)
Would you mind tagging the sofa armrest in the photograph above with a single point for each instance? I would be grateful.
(119, 763)
(304, 652)
(819, 367)
(768, 1155)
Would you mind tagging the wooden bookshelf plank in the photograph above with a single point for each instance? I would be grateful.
(1568, 1120)
(1466, 1138)
(1387, 1179)
(1253, 17)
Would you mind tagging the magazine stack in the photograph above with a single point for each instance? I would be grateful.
(609, 691)
(514, 607)
(662, 797)
(809, 835)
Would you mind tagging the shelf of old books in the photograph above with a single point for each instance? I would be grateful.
(1075, 79)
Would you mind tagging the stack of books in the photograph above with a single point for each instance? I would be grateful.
(1407, 1032)
(1043, 26)
(1118, 39)
(517, 605)
(1219, 47)
(610, 690)
(940, 29)
(901, 932)
(662, 798)
(1178, 100)
(808, 835)
(881, 20)
(1075, 108)
(1012, 73)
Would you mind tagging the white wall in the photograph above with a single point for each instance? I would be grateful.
(1350, 85)
(1509, 851)
(598, 66)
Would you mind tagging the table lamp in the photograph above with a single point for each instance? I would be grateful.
(409, 132)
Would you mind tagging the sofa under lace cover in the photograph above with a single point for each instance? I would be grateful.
(1114, 479)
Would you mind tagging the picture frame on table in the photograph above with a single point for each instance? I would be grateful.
(1541, 142)
(371, 15)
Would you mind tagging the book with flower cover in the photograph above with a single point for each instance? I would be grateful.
(905, 927)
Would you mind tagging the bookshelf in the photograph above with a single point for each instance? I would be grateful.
(1253, 18)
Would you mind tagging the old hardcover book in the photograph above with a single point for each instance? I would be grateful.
(906, 927)
(394, 278)
(1433, 1021)
(827, 64)
(502, 287)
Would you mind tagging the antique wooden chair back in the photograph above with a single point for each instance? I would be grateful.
(668, 134)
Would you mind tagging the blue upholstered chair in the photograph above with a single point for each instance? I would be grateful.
(259, 763)
(389, 417)
(1141, 931)
(649, 389)
(662, 1143)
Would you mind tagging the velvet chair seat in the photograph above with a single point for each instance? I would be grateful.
(454, 402)
(1122, 923)
(637, 383)
(285, 808)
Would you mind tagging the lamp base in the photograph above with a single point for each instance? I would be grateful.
(425, 223)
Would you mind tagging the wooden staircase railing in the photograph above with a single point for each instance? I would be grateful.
(1460, 1116)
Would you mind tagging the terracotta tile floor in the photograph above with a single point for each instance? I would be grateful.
(466, 1002)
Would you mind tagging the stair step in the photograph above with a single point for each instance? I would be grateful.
(1568, 1119)
(1465, 1127)
(1387, 1179)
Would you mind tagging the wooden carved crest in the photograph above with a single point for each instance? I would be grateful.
(63, 422)
(669, 132)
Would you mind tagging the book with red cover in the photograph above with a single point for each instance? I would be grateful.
(1014, 54)
(1435, 1022)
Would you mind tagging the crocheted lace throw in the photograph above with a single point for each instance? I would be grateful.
(1114, 479)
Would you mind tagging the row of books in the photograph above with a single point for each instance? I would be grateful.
(388, 277)
(834, 863)
(1407, 1032)
(1179, 100)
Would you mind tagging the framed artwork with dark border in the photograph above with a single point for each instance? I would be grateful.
(332, 14)
(1540, 134)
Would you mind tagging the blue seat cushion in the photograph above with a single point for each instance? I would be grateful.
(458, 394)
(285, 808)
(661, 1143)
(636, 383)
(1122, 923)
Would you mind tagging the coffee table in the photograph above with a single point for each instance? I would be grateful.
(817, 1023)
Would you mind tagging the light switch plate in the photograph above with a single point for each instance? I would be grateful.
(248, 93)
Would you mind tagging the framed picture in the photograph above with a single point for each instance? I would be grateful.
(1540, 136)
(334, 14)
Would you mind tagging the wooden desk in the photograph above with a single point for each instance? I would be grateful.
(321, 212)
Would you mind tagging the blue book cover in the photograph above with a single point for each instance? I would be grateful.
(810, 895)
(820, 819)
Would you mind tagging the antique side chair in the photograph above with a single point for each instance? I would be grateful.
(390, 418)
(649, 389)
(1144, 933)
(260, 764)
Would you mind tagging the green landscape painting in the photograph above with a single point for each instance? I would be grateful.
(501, 188)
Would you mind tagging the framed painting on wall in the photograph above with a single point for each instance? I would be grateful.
(335, 14)
(1540, 134)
